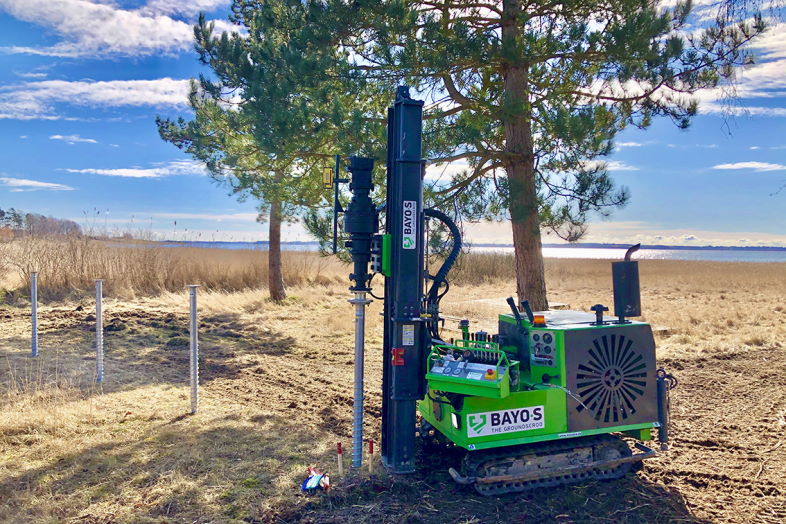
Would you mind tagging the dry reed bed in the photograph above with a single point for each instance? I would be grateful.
(69, 267)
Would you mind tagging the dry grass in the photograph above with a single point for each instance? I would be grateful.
(277, 388)
(68, 267)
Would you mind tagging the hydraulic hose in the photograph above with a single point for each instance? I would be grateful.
(455, 234)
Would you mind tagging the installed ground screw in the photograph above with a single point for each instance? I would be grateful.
(194, 346)
(99, 331)
(34, 302)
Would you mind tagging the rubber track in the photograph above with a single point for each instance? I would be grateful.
(473, 460)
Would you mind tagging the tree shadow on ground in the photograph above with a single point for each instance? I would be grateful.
(249, 468)
(174, 470)
(430, 497)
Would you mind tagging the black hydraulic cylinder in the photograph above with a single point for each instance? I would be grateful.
(406, 336)
(663, 409)
(361, 221)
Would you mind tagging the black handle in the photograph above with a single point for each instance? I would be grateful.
(528, 310)
(599, 309)
(512, 304)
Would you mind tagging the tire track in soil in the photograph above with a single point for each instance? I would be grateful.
(726, 459)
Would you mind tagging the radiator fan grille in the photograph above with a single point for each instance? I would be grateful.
(611, 379)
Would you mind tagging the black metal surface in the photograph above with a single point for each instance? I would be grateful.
(663, 409)
(666, 383)
(360, 221)
(336, 202)
(599, 309)
(627, 295)
(403, 384)
(475, 464)
(511, 335)
(528, 310)
(612, 370)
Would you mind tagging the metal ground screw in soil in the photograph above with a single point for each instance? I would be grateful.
(194, 346)
(360, 301)
(99, 331)
(34, 302)
(360, 223)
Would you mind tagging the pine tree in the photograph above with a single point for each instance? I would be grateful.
(273, 112)
(532, 95)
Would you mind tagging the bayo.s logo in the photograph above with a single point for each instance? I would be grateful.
(408, 211)
(506, 421)
(476, 422)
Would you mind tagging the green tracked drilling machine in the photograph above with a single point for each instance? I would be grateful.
(545, 401)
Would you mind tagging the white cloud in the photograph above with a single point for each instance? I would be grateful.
(610, 165)
(756, 166)
(23, 184)
(629, 144)
(73, 139)
(159, 170)
(179, 7)
(122, 172)
(672, 3)
(772, 44)
(445, 172)
(765, 79)
(754, 148)
(31, 75)
(616, 165)
(741, 110)
(102, 28)
(23, 137)
(37, 100)
(686, 146)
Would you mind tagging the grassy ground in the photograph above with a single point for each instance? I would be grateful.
(276, 397)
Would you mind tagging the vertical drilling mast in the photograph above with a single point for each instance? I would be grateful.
(403, 372)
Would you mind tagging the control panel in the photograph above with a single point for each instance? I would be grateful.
(467, 370)
(542, 348)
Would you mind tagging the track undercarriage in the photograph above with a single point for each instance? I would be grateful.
(522, 468)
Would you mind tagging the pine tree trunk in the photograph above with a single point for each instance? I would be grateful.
(275, 276)
(520, 169)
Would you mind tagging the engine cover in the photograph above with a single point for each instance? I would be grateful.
(611, 369)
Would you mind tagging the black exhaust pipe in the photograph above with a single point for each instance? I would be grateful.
(627, 294)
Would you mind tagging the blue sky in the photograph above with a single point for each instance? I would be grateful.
(82, 81)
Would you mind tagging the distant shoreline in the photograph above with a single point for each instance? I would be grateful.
(578, 245)
(591, 245)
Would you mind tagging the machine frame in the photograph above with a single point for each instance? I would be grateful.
(528, 410)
